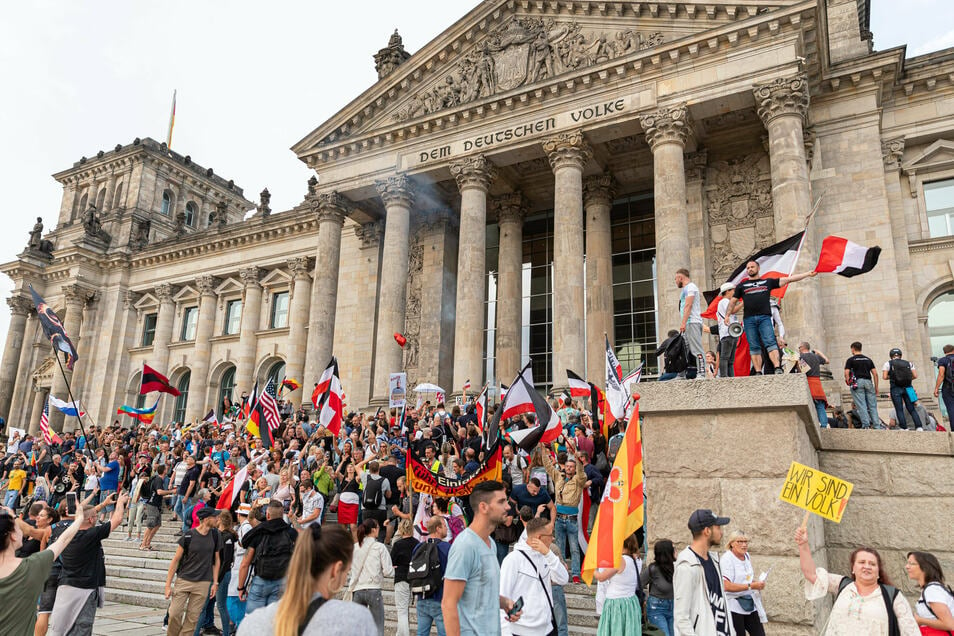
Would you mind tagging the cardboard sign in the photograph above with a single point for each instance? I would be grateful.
(397, 390)
(817, 492)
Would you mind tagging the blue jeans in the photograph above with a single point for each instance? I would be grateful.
(103, 496)
(559, 610)
(659, 613)
(263, 592)
(901, 400)
(822, 413)
(428, 613)
(502, 551)
(761, 335)
(565, 531)
(179, 506)
(11, 499)
(866, 404)
(207, 619)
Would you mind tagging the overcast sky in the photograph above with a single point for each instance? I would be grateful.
(253, 78)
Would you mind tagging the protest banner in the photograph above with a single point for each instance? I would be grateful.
(815, 491)
(422, 480)
(397, 390)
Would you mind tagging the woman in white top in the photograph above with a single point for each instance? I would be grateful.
(372, 562)
(859, 608)
(621, 615)
(741, 588)
(934, 611)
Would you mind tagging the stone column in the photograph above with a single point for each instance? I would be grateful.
(22, 399)
(20, 308)
(331, 210)
(667, 132)
(76, 297)
(474, 176)
(163, 335)
(33, 426)
(298, 319)
(251, 321)
(86, 334)
(508, 343)
(782, 105)
(568, 153)
(198, 405)
(598, 193)
(398, 197)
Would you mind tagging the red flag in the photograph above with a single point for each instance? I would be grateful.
(331, 405)
(152, 380)
(841, 256)
(579, 388)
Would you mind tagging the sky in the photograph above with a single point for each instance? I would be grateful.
(253, 78)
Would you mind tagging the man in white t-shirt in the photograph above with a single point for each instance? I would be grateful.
(727, 342)
(690, 314)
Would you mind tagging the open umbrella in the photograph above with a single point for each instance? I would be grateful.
(428, 388)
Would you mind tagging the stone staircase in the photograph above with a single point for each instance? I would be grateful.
(138, 578)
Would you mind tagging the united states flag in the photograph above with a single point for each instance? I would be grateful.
(45, 425)
(268, 405)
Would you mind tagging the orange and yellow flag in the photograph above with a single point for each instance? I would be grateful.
(621, 508)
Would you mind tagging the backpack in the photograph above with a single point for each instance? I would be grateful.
(424, 574)
(456, 525)
(372, 493)
(272, 555)
(888, 593)
(928, 607)
(187, 539)
(900, 373)
(948, 382)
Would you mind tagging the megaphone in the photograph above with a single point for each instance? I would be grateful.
(735, 329)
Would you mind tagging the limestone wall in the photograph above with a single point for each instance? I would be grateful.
(727, 445)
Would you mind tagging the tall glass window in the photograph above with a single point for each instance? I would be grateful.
(190, 318)
(537, 315)
(148, 329)
(941, 329)
(226, 388)
(178, 414)
(279, 317)
(490, 315)
(634, 283)
(166, 203)
(939, 198)
(191, 214)
(276, 373)
(233, 317)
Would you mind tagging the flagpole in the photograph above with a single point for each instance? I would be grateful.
(801, 242)
(69, 392)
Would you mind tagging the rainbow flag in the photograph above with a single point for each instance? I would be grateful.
(145, 415)
(621, 508)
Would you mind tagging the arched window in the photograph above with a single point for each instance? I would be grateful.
(191, 214)
(118, 195)
(166, 203)
(101, 199)
(226, 389)
(276, 373)
(84, 200)
(211, 218)
(941, 328)
(178, 415)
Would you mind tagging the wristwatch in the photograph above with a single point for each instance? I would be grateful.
(750, 585)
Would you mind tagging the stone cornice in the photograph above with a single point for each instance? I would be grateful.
(315, 149)
(944, 243)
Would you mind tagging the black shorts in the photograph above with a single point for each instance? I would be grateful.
(151, 517)
(48, 595)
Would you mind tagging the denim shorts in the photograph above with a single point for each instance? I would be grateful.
(760, 334)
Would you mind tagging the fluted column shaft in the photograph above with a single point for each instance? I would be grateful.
(20, 307)
(251, 321)
(392, 301)
(331, 209)
(198, 404)
(163, 335)
(474, 176)
(33, 425)
(598, 193)
(783, 105)
(508, 344)
(76, 298)
(298, 318)
(667, 131)
(568, 153)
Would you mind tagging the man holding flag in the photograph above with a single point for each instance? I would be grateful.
(568, 486)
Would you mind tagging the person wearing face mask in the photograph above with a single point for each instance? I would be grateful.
(865, 602)
(317, 572)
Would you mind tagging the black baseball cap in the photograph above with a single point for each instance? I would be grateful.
(701, 519)
(205, 512)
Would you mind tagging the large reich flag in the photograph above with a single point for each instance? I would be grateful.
(523, 398)
(331, 403)
(841, 256)
(152, 380)
(621, 507)
(579, 388)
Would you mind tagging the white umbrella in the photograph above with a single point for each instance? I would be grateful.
(428, 388)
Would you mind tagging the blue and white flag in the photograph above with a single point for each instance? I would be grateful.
(67, 408)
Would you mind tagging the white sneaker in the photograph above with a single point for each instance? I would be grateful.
(919, 429)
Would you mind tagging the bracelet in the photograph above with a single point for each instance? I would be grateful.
(241, 589)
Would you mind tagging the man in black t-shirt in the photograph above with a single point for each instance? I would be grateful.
(753, 294)
(195, 567)
(699, 603)
(152, 509)
(944, 387)
(861, 376)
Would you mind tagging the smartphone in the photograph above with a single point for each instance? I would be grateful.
(517, 606)
(286, 505)
(71, 503)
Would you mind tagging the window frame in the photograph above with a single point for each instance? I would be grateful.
(273, 311)
(151, 333)
(228, 308)
(187, 313)
(947, 213)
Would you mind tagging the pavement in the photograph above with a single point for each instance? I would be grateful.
(130, 620)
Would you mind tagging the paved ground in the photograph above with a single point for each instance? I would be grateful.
(115, 618)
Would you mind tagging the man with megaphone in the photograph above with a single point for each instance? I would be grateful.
(729, 332)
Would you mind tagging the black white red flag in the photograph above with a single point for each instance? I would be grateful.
(841, 256)
(330, 405)
(616, 398)
(523, 398)
(579, 388)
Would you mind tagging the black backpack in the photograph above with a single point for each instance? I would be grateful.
(925, 603)
(888, 593)
(949, 372)
(372, 493)
(424, 574)
(900, 373)
(273, 554)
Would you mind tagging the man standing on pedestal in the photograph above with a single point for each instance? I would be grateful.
(690, 312)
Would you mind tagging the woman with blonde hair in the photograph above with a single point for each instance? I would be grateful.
(316, 573)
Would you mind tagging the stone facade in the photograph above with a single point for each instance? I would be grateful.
(733, 119)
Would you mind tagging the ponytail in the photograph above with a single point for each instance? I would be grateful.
(316, 550)
(7, 525)
(366, 527)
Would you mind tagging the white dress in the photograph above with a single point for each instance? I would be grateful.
(856, 615)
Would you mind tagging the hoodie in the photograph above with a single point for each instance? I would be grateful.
(692, 614)
(518, 578)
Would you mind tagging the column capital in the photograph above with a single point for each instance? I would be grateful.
(78, 294)
(370, 233)
(164, 292)
(396, 190)
(206, 285)
(670, 125)
(892, 151)
(599, 189)
(251, 275)
(782, 96)
(130, 298)
(510, 208)
(567, 149)
(20, 305)
(332, 206)
(695, 163)
(299, 267)
(474, 172)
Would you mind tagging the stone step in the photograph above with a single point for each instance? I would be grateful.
(115, 562)
(130, 550)
(138, 599)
